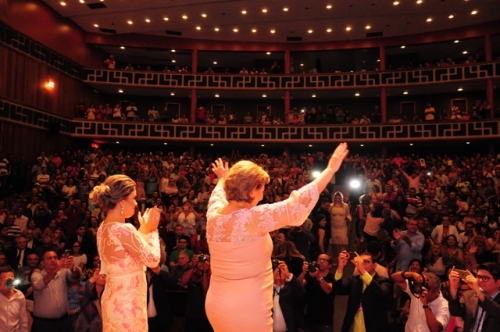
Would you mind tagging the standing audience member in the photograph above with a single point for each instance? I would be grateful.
(89, 319)
(408, 245)
(50, 287)
(480, 308)
(369, 294)
(428, 308)
(13, 316)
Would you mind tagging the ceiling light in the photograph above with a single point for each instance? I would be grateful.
(82, 1)
(173, 61)
(313, 96)
(254, 30)
(273, 31)
(328, 6)
(172, 93)
(451, 16)
(122, 47)
(328, 30)
(457, 41)
(165, 18)
(96, 25)
(411, 144)
(262, 145)
(474, 12)
(464, 52)
(198, 28)
(402, 46)
(429, 19)
(63, 3)
(50, 85)
(310, 145)
(117, 142)
(203, 15)
(244, 12)
(357, 94)
(147, 20)
(268, 53)
(120, 91)
(348, 28)
(216, 29)
(285, 9)
(405, 92)
(419, 1)
(215, 62)
(173, 51)
(212, 144)
(264, 10)
(378, 60)
(184, 17)
(368, 27)
(264, 96)
(460, 89)
(395, 3)
(217, 95)
(235, 30)
(309, 31)
(467, 142)
(165, 143)
(361, 145)
(302, 65)
(130, 22)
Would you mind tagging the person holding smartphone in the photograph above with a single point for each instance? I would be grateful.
(480, 308)
(13, 317)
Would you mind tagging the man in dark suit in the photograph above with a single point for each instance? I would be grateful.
(288, 300)
(18, 255)
(160, 316)
(86, 240)
(481, 308)
(369, 294)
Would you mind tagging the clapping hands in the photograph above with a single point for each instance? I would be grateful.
(220, 168)
(149, 220)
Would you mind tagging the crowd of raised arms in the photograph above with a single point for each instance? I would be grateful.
(411, 215)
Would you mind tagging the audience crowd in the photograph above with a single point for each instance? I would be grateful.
(422, 233)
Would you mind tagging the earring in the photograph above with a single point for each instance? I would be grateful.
(123, 209)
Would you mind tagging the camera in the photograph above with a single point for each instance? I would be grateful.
(275, 262)
(66, 253)
(313, 266)
(12, 282)
(202, 258)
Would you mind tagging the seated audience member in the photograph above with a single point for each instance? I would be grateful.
(480, 306)
(366, 310)
(428, 308)
(181, 248)
(288, 298)
(18, 255)
(13, 316)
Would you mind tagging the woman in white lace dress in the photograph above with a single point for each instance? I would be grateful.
(241, 286)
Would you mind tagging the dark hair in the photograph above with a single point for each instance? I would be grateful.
(372, 256)
(374, 247)
(419, 262)
(6, 268)
(377, 212)
(492, 268)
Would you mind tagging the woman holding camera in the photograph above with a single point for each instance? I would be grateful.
(240, 245)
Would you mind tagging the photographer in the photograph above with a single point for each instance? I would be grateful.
(480, 309)
(13, 316)
(428, 308)
(366, 310)
(318, 282)
(288, 298)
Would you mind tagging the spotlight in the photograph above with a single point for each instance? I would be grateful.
(354, 184)
(315, 174)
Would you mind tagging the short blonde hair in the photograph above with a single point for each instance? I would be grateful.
(111, 191)
(242, 178)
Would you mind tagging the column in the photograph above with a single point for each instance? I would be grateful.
(287, 62)
(194, 97)
(287, 104)
(488, 53)
(383, 104)
(382, 58)
(490, 97)
(194, 61)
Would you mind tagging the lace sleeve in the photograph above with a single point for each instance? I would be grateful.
(292, 211)
(144, 247)
(217, 200)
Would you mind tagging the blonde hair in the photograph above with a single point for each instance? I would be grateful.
(242, 178)
(111, 191)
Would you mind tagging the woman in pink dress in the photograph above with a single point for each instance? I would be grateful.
(241, 285)
(124, 252)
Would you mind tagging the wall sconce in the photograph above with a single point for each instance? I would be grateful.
(50, 85)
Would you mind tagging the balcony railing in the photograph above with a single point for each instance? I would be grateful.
(424, 76)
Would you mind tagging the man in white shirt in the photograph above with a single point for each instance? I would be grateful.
(13, 317)
(428, 308)
(21, 220)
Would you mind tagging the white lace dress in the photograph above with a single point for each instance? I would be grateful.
(241, 288)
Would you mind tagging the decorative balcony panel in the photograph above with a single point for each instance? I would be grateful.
(287, 134)
(30, 47)
(303, 82)
(31, 117)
